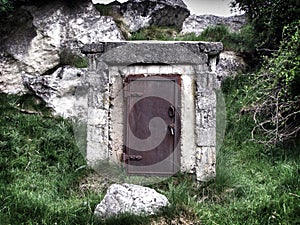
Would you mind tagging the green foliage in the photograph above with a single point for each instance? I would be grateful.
(286, 62)
(68, 57)
(269, 18)
(5, 5)
(254, 184)
(154, 33)
(275, 95)
(242, 41)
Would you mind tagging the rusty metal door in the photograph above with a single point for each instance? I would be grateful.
(152, 129)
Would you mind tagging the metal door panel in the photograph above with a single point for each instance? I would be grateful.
(150, 146)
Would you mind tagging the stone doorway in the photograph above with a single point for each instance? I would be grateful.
(189, 65)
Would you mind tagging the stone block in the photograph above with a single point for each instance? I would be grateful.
(205, 100)
(97, 116)
(206, 118)
(205, 163)
(98, 100)
(206, 137)
(96, 151)
(206, 81)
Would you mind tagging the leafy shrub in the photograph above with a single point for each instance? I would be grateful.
(242, 41)
(275, 94)
(5, 5)
(269, 19)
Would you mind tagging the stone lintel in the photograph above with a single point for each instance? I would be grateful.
(154, 52)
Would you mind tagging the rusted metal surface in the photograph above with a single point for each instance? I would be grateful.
(152, 130)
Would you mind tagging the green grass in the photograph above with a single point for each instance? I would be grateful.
(254, 184)
(41, 167)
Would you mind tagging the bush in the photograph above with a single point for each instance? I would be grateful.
(5, 5)
(275, 94)
(269, 19)
(242, 41)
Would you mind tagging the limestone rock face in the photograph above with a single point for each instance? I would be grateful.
(130, 198)
(137, 14)
(58, 90)
(36, 36)
(229, 63)
(196, 24)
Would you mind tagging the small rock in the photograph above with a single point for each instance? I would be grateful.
(130, 198)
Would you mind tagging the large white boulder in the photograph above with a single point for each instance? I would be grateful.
(130, 198)
(36, 36)
(137, 14)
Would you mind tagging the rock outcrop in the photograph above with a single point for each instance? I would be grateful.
(34, 39)
(196, 24)
(229, 63)
(36, 35)
(130, 198)
(58, 90)
(137, 14)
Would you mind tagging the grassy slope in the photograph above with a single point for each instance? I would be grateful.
(41, 167)
(256, 184)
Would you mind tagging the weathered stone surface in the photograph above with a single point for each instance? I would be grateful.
(130, 198)
(229, 63)
(10, 82)
(58, 90)
(32, 45)
(196, 24)
(206, 163)
(137, 14)
(152, 53)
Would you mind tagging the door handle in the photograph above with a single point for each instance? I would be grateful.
(171, 111)
(172, 129)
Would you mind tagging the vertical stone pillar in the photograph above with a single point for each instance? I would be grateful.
(98, 107)
(205, 111)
